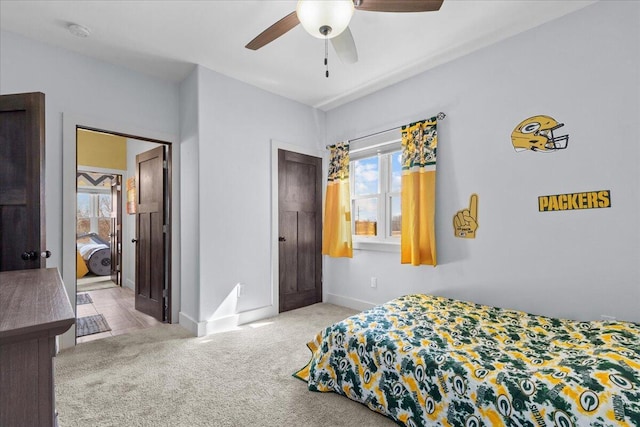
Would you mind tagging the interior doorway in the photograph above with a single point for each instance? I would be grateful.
(111, 270)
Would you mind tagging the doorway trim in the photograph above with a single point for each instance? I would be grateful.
(275, 253)
(70, 123)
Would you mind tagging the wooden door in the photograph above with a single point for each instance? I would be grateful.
(300, 229)
(22, 227)
(150, 227)
(116, 230)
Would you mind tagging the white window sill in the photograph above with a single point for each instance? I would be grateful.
(373, 245)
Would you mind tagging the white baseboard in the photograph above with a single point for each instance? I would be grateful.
(193, 326)
(130, 284)
(226, 323)
(353, 303)
(232, 322)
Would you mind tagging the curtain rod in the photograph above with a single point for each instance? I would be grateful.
(439, 116)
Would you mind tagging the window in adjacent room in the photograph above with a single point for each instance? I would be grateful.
(93, 211)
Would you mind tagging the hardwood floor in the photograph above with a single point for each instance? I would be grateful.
(117, 306)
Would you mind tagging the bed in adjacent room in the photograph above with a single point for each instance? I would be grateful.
(95, 252)
(431, 361)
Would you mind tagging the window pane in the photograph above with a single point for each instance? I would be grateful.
(365, 212)
(396, 171)
(104, 228)
(83, 226)
(83, 209)
(104, 205)
(365, 176)
(396, 216)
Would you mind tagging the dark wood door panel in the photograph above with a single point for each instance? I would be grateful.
(307, 244)
(288, 252)
(150, 246)
(299, 211)
(300, 188)
(22, 218)
(13, 177)
(156, 258)
(298, 300)
(10, 242)
(143, 263)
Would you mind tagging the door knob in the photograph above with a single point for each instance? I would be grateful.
(282, 239)
(29, 256)
(134, 240)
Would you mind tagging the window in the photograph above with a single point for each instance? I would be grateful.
(375, 196)
(94, 214)
(94, 204)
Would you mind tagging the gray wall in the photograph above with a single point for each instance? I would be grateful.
(236, 125)
(189, 195)
(82, 90)
(582, 69)
(79, 85)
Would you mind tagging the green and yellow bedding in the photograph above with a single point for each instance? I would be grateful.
(431, 361)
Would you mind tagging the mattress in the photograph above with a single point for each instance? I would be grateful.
(431, 361)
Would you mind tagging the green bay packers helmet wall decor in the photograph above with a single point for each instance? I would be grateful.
(536, 134)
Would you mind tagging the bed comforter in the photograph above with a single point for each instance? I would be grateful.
(432, 361)
(97, 257)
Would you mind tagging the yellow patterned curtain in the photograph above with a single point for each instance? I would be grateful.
(336, 234)
(418, 238)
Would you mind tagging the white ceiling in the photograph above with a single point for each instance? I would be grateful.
(165, 38)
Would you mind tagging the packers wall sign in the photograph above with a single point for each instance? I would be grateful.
(574, 201)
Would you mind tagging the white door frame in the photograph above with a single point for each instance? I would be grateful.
(70, 123)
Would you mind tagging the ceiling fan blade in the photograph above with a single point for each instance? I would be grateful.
(399, 5)
(345, 47)
(273, 32)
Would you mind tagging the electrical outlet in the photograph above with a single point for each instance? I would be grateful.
(240, 290)
(374, 282)
(607, 318)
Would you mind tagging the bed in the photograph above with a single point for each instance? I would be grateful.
(95, 252)
(432, 361)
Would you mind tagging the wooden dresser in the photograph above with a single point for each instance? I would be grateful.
(34, 308)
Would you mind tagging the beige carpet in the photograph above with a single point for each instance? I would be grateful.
(163, 377)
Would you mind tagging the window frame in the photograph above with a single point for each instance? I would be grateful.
(94, 206)
(383, 241)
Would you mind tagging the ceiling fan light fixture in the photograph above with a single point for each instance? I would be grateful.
(316, 15)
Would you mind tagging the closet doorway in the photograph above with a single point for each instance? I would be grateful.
(122, 234)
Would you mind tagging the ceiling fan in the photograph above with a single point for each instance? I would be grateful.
(330, 20)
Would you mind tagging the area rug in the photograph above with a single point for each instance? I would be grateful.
(83, 299)
(90, 325)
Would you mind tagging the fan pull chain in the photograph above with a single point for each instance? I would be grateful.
(326, 56)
